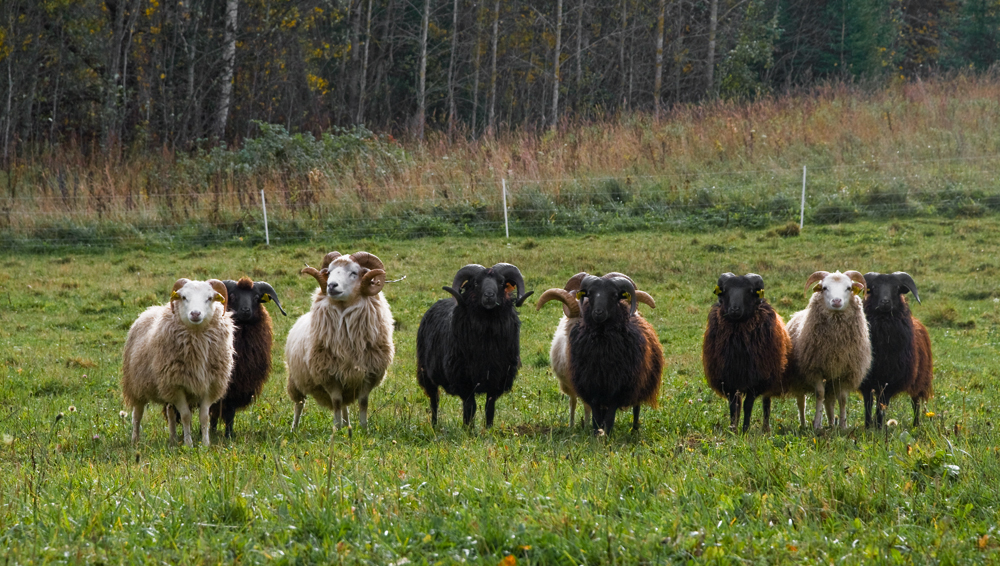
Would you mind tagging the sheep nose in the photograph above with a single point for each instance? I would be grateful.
(600, 314)
(735, 311)
(331, 287)
(195, 315)
(837, 302)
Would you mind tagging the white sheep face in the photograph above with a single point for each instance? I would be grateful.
(196, 302)
(838, 291)
(342, 280)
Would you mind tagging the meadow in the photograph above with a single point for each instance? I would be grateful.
(531, 490)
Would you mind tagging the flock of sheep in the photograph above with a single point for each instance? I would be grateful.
(209, 348)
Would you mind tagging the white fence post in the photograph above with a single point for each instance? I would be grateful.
(802, 209)
(263, 204)
(506, 227)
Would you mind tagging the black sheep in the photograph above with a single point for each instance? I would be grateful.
(746, 346)
(252, 343)
(901, 347)
(615, 358)
(471, 344)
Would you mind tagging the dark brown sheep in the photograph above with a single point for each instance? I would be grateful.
(746, 347)
(901, 347)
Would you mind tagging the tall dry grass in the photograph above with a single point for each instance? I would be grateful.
(928, 133)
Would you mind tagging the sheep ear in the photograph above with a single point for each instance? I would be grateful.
(717, 291)
(175, 296)
(817, 288)
(221, 293)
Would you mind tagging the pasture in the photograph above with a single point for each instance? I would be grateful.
(530, 490)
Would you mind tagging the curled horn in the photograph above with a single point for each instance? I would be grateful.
(321, 276)
(625, 284)
(512, 274)
(858, 280)
(908, 282)
(373, 278)
(641, 296)
(220, 288)
(328, 259)
(574, 282)
(816, 276)
(268, 291)
(571, 307)
(468, 272)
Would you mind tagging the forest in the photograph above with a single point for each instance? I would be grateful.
(120, 76)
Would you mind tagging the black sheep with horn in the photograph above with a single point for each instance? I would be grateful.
(472, 344)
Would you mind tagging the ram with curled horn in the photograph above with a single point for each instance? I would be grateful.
(559, 351)
(471, 344)
(340, 350)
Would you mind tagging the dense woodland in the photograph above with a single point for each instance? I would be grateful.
(127, 75)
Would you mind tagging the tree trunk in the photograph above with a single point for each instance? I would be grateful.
(621, 53)
(451, 70)
(422, 83)
(475, 81)
(579, 45)
(713, 24)
(364, 66)
(228, 66)
(658, 75)
(7, 115)
(555, 65)
(491, 120)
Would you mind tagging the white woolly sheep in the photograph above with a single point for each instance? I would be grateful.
(180, 354)
(831, 352)
(339, 351)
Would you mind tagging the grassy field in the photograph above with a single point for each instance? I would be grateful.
(531, 490)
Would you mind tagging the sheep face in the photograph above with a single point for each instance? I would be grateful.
(601, 299)
(194, 301)
(484, 288)
(739, 296)
(838, 288)
(886, 290)
(343, 278)
(245, 298)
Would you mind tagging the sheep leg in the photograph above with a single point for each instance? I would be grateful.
(572, 410)
(635, 418)
(916, 410)
(818, 419)
(869, 397)
(213, 415)
(842, 404)
(344, 412)
(587, 417)
(830, 402)
(137, 412)
(747, 411)
(363, 410)
(767, 414)
(734, 410)
(883, 404)
(337, 401)
(182, 407)
(435, 399)
(203, 420)
(491, 404)
(228, 415)
(469, 409)
(801, 402)
(172, 423)
(298, 414)
(609, 419)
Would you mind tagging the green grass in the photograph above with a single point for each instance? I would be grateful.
(684, 488)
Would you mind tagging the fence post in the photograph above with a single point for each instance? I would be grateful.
(506, 227)
(263, 204)
(802, 209)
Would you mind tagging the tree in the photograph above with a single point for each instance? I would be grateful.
(228, 64)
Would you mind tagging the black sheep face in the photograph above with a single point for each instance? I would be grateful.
(245, 298)
(739, 295)
(886, 290)
(489, 288)
(601, 299)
